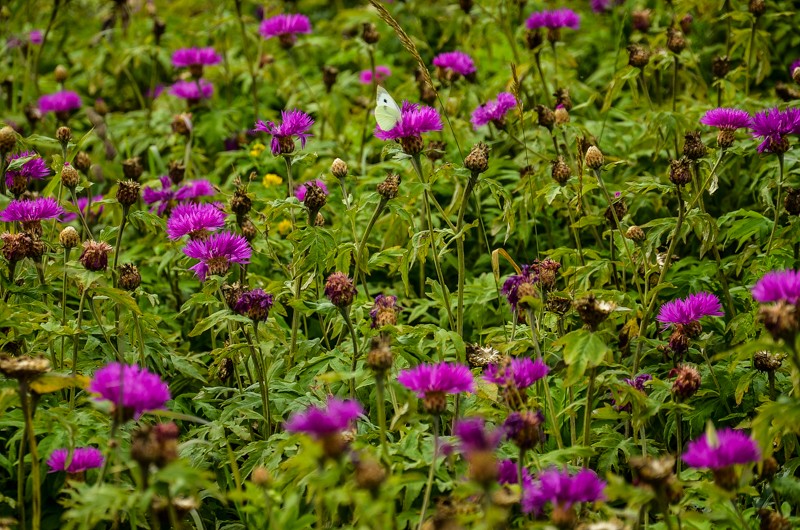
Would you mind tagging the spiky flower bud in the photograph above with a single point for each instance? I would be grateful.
(680, 172)
(757, 7)
(546, 116)
(380, 357)
(128, 192)
(64, 135)
(315, 200)
(132, 168)
(693, 147)
(765, 361)
(370, 33)
(261, 477)
(561, 114)
(69, 176)
(771, 520)
(635, 234)
(129, 277)
(249, 230)
(240, 203)
(780, 319)
(8, 139)
(619, 208)
(339, 168)
(792, 202)
(640, 19)
(796, 74)
(176, 171)
(182, 124)
(389, 188)
(477, 160)
(61, 73)
(594, 158)
(720, 66)
(69, 238)
(412, 145)
(676, 41)
(638, 55)
(16, 247)
(563, 99)
(369, 474)
(687, 381)
(340, 289)
(533, 39)
(82, 161)
(560, 170)
(329, 75)
(95, 255)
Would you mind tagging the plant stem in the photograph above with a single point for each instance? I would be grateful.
(263, 382)
(587, 417)
(248, 59)
(473, 179)
(429, 484)
(771, 379)
(380, 391)
(537, 58)
(75, 344)
(345, 311)
(60, 365)
(363, 243)
(777, 203)
(750, 45)
(30, 434)
(675, 87)
(679, 437)
(80, 214)
(295, 322)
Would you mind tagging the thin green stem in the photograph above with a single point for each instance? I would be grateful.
(778, 204)
(679, 440)
(27, 412)
(295, 322)
(587, 417)
(80, 214)
(96, 317)
(263, 382)
(460, 250)
(750, 44)
(429, 484)
(75, 345)
(363, 243)
(380, 391)
(345, 311)
(675, 85)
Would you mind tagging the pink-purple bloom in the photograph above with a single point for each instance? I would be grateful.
(637, 383)
(255, 304)
(188, 57)
(318, 422)
(778, 286)
(26, 211)
(301, 190)
(284, 25)
(382, 302)
(446, 378)
(520, 372)
(381, 73)
(474, 436)
(60, 102)
(726, 119)
(192, 90)
(598, 6)
(528, 274)
(507, 473)
(80, 459)
(772, 126)
(83, 202)
(134, 389)
(563, 489)
(689, 309)
(728, 448)
(217, 252)
(494, 110)
(194, 220)
(293, 123)
(414, 121)
(169, 194)
(457, 62)
(554, 19)
(33, 168)
(36, 37)
(793, 67)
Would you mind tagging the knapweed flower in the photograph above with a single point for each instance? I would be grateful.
(192, 90)
(526, 429)
(31, 212)
(255, 304)
(60, 103)
(520, 286)
(773, 126)
(519, 372)
(508, 473)
(384, 312)
(300, 192)
(293, 123)
(80, 459)
(217, 252)
(169, 195)
(195, 220)
(720, 451)
(327, 424)
(340, 290)
(689, 310)
(450, 65)
(415, 120)
(133, 389)
(637, 383)
(285, 27)
(193, 58)
(33, 168)
(778, 286)
(553, 19)
(36, 37)
(562, 490)
(83, 202)
(432, 382)
(727, 121)
(494, 111)
(380, 74)
(478, 445)
(598, 6)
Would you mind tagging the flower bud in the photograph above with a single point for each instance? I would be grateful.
(477, 160)
(533, 39)
(640, 19)
(240, 203)
(380, 357)
(329, 75)
(95, 255)
(389, 188)
(64, 135)
(757, 7)
(61, 73)
(182, 124)
(261, 477)
(561, 114)
(69, 238)
(638, 56)
(720, 66)
(370, 33)
(679, 172)
(129, 277)
(176, 171)
(128, 192)
(132, 168)
(8, 139)
(69, 176)
(339, 168)
(676, 42)
(693, 147)
(594, 158)
(369, 474)
(563, 99)
(82, 161)
(546, 117)
(687, 381)
(765, 361)
(340, 289)
(560, 170)
(635, 234)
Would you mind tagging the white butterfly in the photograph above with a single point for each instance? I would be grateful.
(387, 111)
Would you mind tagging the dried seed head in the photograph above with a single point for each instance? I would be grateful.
(477, 160)
(653, 471)
(340, 290)
(249, 230)
(132, 168)
(641, 19)
(389, 188)
(370, 33)
(240, 203)
(339, 168)
(8, 139)
(64, 135)
(182, 124)
(676, 41)
(594, 158)
(560, 171)
(95, 255)
(559, 305)
(69, 176)
(693, 147)
(315, 198)
(329, 75)
(128, 192)
(480, 356)
(380, 357)
(69, 237)
(757, 7)
(16, 247)
(638, 56)
(592, 311)
(129, 277)
(176, 171)
(620, 208)
(23, 368)
(720, 66)
(635, 234)
(546, 116)
(687, 381)
(765, 361)
(792, 202)
(82, 161)
(680, 172)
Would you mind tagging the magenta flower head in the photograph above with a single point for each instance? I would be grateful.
(293, 123)
(494, 111)
(327, 424)
(526, 429)
(217, 252)
(24, 167)
(599, 6)
(130, 388)
(83, 202)
(285, 27)
(519, 286)
(562, 490)
(720, 451)
(192, 91)
(507, 473)
(61, 103)
(195, 220)
(727, 121)
(381, 74)
(553, 21)
(81, 459)
(474, 436)
(384, 312)
(255, 304)
(432, 382)
(637, 383)
(778, 286)
(773, 126)
(195, 59)
(690, 309)
(415, 120)
(31, 212)
(35, 37)
(451, 65)
(300, 192)
(520, 372)
(167, 197)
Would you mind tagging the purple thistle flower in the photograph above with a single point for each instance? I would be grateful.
(561, 489)
(194, 189)
(689, 309)
(188, 57)
(192, 90)
(194, 220)
(414, 121)
(217, 252)
(511, 285)
(598, 6)
(60, 102)
(457, 62)
(284, 25)
(772, 126)
(293, 123)
(794, 66)
(637, 383)
(26, 211)
(168, 195)
(83, 202)
(35, 168)
(255, 304)
(441, 378)
(521, 372)
(474, 437)
(554, 19)
(381, 73)
(81, 459)
(134, 389)
(777, 286)
(494, 110)
(730, 447)
(318, 422)
(507, 473)
(301, 190)
(36, 37)
(383, 304)
(726, 119)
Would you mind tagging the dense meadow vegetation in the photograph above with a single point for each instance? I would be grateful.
(403, 264)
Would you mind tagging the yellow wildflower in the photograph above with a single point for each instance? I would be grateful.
(284, 227)
(257, 149)
(271, 179)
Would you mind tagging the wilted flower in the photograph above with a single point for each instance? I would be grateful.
(192, 90)
(431, 383)
(384, 312)
(326, 424)
(217, 252)
(380, 75)
(300, 192)
(195, 220)
(772, 126)
(61, 102)
(563, 490)
(687, 381)
(80, 459)
(293, 123)
(526, 428)
(255, 304)
(478, 445)
(340, 290)
(136, 390)
(494, 110)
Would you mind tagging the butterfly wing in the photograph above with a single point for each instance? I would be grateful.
(387, 111)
